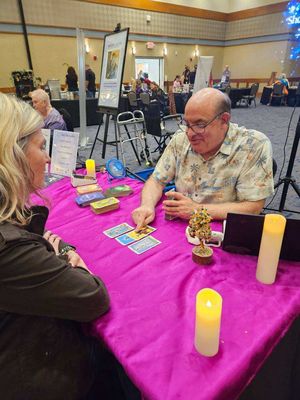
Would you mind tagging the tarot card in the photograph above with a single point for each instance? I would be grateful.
(118, 230)
(134, 236)
(143, 245)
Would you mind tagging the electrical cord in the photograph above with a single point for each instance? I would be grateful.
(284, 157)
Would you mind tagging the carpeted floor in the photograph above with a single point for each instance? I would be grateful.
(273, 121)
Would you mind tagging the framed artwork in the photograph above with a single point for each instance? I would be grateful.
(112, 69)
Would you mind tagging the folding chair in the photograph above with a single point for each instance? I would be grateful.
(277, 94)
(161, 128)
(133, 102)
(252, 96)
(133, 123)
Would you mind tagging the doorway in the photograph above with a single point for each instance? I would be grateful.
(153, 66)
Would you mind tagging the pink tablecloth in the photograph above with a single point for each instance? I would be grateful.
(150, 326)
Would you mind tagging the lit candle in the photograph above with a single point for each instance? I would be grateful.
(208, 321)
(90, 168)
(270, 246)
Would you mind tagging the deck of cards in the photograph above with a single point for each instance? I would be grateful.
(105, 205)
(88, 198)
(118, 191)
(139, 241)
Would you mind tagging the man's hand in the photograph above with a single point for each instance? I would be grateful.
(142, 216)
(181, 206)
(52, 239)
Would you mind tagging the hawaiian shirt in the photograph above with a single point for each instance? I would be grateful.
(240, 171)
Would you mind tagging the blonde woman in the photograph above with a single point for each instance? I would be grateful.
(47, 291)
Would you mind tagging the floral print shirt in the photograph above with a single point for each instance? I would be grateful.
(240, 171)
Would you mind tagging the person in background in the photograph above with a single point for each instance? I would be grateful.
(216, 165)
(177, 83)
(283, 79)
(186, 74)
(225, 78)
(193, 75)
(72, 80)
(52, 118)
(90, 80)
(48, 295)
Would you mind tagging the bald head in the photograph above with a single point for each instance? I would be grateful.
(211, 99)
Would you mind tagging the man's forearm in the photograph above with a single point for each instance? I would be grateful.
(220, 211)
(151, 193)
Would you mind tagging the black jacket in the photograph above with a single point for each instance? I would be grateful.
(43, 301)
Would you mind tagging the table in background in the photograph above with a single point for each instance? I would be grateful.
(293, 99)
(236, 94)
(93, 117)
(150, 326)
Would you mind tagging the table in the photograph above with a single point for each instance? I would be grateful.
(236, 94)
(72, 106)
(150, 326)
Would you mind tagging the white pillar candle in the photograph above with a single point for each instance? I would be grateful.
(270, 246)
(208, 321)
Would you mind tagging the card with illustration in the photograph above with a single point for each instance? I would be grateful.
(134, 236)
(143, 245)
(118, 230)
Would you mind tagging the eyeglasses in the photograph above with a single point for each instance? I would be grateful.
(200, 128)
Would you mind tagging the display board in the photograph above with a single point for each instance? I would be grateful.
(112, 68)
(204, 67)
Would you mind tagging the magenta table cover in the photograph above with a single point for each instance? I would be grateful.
(150, 326)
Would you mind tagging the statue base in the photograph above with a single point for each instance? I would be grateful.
(202, 256)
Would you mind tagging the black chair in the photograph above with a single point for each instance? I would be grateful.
(252, 96)
(145, 100)
(67, 118)
(277, 94)
(133, 102)
(161, 128)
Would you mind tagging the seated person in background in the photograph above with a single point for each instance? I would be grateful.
(177, 83)
(215, 164)
(52, 118)
(283, 79)
(47, 292)
(193, 75)
(156, 90)
(138, 87)
(72, 80)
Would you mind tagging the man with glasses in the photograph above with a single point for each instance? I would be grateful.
(216, 164)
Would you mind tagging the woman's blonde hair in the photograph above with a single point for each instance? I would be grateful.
(18, 120)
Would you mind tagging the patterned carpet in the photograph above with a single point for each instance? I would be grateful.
(273, 121)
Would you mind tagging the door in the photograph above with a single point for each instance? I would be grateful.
(154, 67)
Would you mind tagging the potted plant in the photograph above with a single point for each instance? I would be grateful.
(199, 226)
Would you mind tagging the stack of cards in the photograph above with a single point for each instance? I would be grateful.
(124, 234)
(118, 191)
(105, 205)
(86, 199)
(89, 189)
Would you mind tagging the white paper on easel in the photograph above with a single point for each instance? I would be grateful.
(64, 152)
(204, 67)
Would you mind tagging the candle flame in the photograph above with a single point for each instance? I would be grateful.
(208, 304)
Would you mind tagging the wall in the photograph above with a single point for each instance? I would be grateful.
(255, 60)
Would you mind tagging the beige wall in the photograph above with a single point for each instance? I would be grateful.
(51, 56)
(256, 60)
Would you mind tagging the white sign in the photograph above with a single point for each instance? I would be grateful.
(203, 72)
(64, 152)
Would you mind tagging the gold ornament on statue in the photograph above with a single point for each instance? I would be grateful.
(199, 226)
